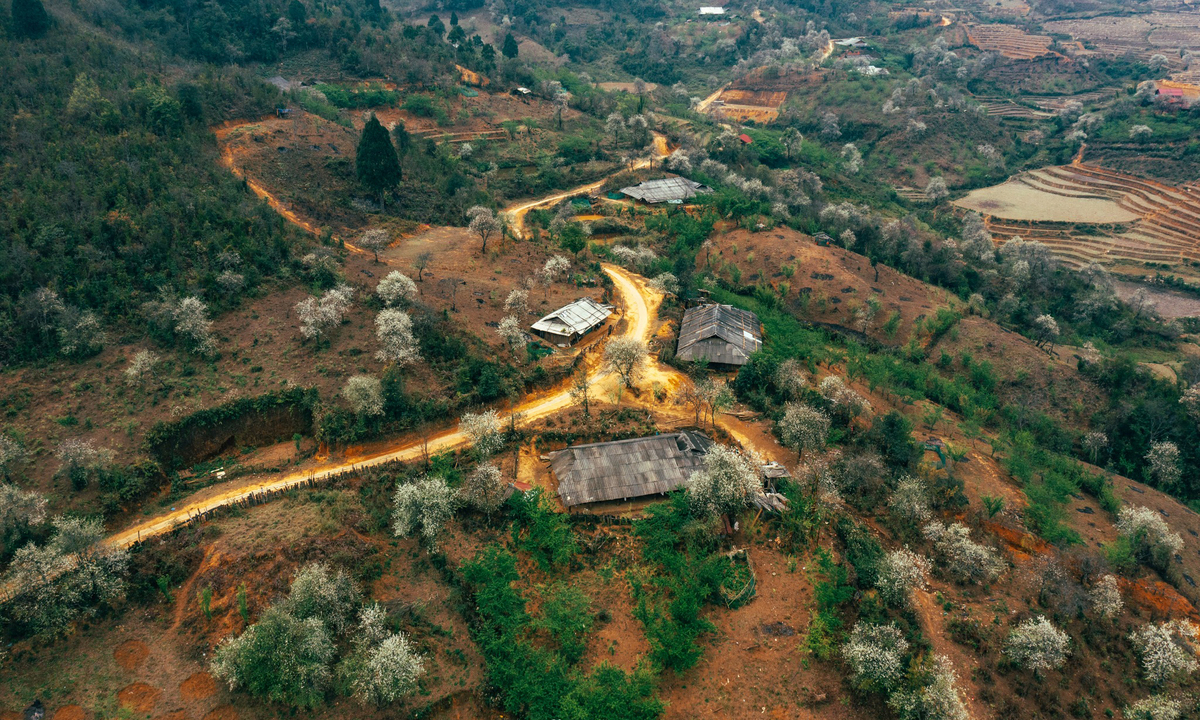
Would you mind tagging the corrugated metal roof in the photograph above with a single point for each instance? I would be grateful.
(718, 333)
(578, 317)
(665, 190)
(627, 468)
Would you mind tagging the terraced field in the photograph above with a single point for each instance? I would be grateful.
(1009, 41)
(1086, 213)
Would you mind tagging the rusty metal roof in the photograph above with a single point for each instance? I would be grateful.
(627, 468)
(719, 333)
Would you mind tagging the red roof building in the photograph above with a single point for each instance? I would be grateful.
(745, 138)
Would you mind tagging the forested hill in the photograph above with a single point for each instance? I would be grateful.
(112, 194)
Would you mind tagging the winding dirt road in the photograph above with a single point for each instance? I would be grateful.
(638, 301)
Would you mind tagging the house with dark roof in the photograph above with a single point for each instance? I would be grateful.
(569, 323)
(627, 469)
(672, 190)
(720, 334)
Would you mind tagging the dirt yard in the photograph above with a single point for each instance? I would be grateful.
(1015, 200)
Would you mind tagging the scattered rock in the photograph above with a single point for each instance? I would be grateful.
(1086, 510)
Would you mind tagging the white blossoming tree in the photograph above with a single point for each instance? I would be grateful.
(963, 558)
(142, 368)
(725, 484)
(803, 427)
(423, 507)
(1037, 645)
(485, 487)
(1155, 707)
(1167, 650)
(900, 573)
(625, 357)
(483, 431)
(938, 699)
(397, 344)
(396, 289)
(387, 671)
(909, 502)
(374, 241)
(319, 316)
(1149, 537)
(790, 378)
(876, 655)
(1162, 464)
(365, 395)
(1105, 596)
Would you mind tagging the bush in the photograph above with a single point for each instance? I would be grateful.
(964, 559)
(901, 572)
(1168, 650)
(280, 658)
(1148, 536)
(876, 654)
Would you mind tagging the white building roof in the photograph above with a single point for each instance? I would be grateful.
(665, 190)
(712, 11)
(578, 317)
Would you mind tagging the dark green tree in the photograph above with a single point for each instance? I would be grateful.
(453, 19)
(401, 139)
(457, 35)
(488, 53)
(435, 24)
(29, 18)
(297, 14)
(376, 162)
(510, 47)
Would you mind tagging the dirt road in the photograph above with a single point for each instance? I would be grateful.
(637, 301)
(516, 213)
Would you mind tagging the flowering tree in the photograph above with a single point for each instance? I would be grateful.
(1148, 535)
(365, 395)
(280, 658)
(79, 460)
(484, 488)
(1168, 649)
(387, 671)
(1106, 597)
(1162, 463)
(374, 240)
(936, 190)
(876, 654)
(625, 357)
(665, 283)
(141, 368)
(1045, 331)
(396, 288)
(484, 223)
(517, 303)
(803, 427)
(483, 432)
(790, 378)
(901, 572)
(397, 344)
(20, 508)
(512, 333)
(1037, 645)
(910, 500)
(320, 593)
(725, 484)
(1155, 707)
(192, 324)
(963, 558)
(319, 316)
(1191, 402)
(423, 506)
(1094, 443)
(938, 699)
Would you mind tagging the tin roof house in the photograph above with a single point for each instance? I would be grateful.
(567, 324)
(627, 469)
(672, 190)
(720, 334)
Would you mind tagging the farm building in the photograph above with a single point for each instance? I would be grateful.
(712, 11)
(668, 190)
(569, 323)
(1178, 94)
(627, 469)
(720, 334)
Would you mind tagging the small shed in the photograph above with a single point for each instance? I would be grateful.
(746, 139)
(626, 469)
(669, 190)
(569, 323)
(823, 239)
(720, 334)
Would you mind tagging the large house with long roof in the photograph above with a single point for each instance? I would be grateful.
(627, 469)
(719, 334)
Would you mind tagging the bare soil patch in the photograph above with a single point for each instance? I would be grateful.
(139, 697)
(69, 712)
(225, 712)
(198, 687)
(131, 654)
(1016, 201)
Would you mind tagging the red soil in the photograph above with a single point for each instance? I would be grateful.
(225, 712)
(130, 654)
(198, 687)
(69, 712)
(139, 697)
